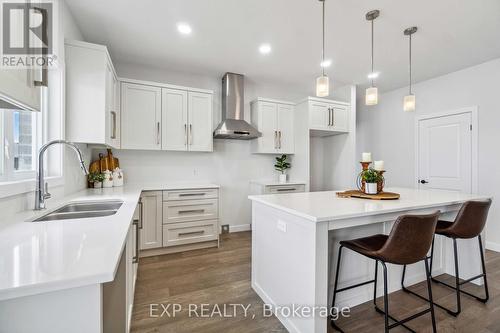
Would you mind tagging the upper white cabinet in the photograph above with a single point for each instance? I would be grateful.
(92, 101)
(275, 120)
(326, 117)
(18, 89)
(187, 120)
(157, 116)
(141, 124)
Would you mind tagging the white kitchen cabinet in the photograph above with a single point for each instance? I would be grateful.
(200, 113)
(187, 120)
(92, 101)
(326, 117)
(141, 124)
(150, 226)
(275, 120)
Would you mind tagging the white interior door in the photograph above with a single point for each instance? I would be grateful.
(174, 117)
(445, 153)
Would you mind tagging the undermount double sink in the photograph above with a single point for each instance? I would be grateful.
(82, 209)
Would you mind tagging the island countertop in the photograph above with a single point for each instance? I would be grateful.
(327, 206)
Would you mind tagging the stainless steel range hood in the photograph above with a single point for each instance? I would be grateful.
(233, 125)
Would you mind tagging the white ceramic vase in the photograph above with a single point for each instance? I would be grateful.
(371, 188)
(97, 184)
(282, 178)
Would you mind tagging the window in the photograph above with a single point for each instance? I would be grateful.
(18, 131)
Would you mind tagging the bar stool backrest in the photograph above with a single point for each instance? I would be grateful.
(410, 239)
(471, 219)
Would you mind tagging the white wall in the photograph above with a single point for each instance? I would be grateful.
(73, 177)
(231, 165)
(388, 132)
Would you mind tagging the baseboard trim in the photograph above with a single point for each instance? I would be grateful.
(493, 246)
(240, 227)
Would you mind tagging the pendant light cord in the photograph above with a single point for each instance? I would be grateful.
(372, 55)
(409, 57)
(323, 50)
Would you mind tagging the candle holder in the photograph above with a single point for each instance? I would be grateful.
(360, 182)
(381, 182)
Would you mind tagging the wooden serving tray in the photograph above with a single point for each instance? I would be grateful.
(359, 194)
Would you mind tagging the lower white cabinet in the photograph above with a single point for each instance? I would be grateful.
(132, 260)
(270, 187)
(176, 220)
(150, 224)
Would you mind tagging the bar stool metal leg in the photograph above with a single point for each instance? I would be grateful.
(332, 321)
(458, 283)
(429, 291)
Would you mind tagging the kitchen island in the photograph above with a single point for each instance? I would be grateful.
(295, 241)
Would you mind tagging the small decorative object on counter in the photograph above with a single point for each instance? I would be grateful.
(117, 177)
(95, 179)
(108, 179)
(371, 178)
(282, 165)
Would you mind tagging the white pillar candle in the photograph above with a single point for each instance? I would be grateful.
(366, 157)
(379, 165)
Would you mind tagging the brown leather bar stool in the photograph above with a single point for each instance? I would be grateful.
(469, 223)
(408, 243)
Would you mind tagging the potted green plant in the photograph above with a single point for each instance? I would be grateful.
(371, 178)
(282, 165)
(96, 178)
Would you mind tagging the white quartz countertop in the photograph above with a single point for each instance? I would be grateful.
(38, 257)
(326, 206)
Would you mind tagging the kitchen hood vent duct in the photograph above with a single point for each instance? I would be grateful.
(233, 125)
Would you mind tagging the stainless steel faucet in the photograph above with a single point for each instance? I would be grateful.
(41, 187)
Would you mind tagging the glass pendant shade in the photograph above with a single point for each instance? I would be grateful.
(409, 103)
(371, 97)
(322, 86)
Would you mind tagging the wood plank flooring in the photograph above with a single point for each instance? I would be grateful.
(222, 277)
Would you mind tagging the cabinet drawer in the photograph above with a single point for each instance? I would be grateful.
(190, 210)
(205, 193)
(189, 232)
(284, 188)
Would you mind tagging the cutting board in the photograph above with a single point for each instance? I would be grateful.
(362, 195)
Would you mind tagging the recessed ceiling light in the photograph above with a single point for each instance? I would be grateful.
(265, 48)
(184, 28)
(326, 63)
(373, 75)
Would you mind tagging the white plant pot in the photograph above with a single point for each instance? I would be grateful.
(97, 184)
(282, 178)
(371, 188)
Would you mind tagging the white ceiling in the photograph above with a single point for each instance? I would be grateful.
(453, 34)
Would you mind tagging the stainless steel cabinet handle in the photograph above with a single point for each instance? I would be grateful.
(45, 39)
(279, 139)
(329, 117)
(333, 117)
(140, 215)
(190, 134)
(185, 135)
(158, 133)
(275, 139)
(285, 189)
(113, 130)
(135, 258)
(191, 211)
(191, 194)
(191, 233)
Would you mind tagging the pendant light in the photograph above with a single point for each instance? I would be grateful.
(409, 100)
(371, 97)
(322, 82)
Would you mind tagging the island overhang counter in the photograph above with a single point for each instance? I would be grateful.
(295, 240)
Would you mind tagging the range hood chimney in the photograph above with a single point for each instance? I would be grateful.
(233, 125)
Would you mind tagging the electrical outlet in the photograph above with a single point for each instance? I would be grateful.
(225, 228)
(281, 225)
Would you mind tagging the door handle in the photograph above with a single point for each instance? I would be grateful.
(423, 181)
